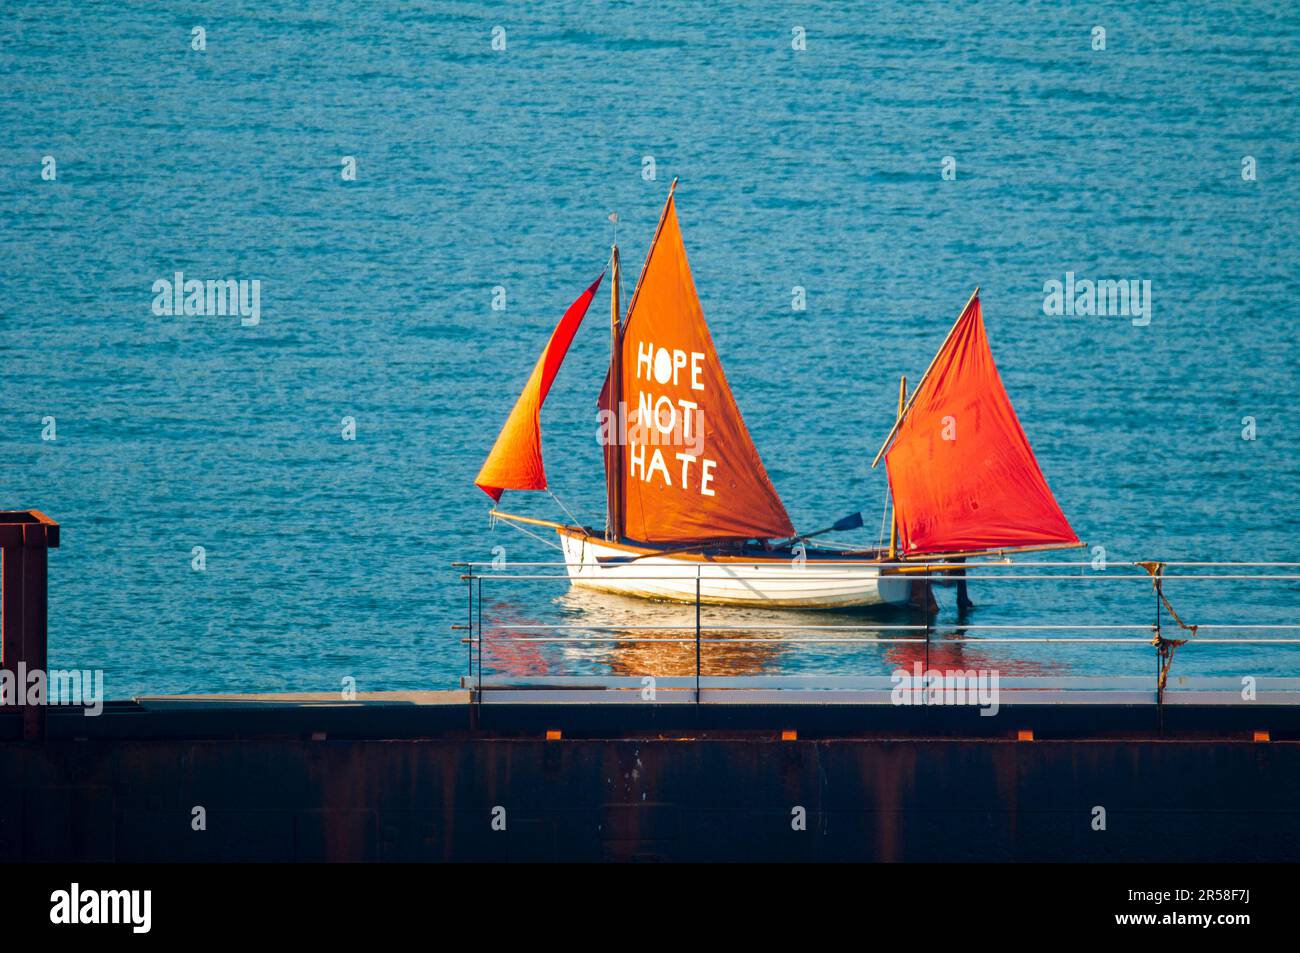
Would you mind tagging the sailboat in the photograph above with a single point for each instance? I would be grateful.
(691, 513)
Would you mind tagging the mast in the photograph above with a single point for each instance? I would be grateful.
(614, 449)
(921, 383)
(893, 513)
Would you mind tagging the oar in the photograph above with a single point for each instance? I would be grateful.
(852, 521)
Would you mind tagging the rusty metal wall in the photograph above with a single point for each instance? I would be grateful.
(628, 799)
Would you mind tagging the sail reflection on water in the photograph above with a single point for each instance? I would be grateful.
(600, 633)
(605, 633)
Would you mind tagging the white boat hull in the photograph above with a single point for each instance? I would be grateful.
(772, 583)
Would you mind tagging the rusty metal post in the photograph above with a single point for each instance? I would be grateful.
(25, 539)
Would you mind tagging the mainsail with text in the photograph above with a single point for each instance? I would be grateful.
(690, 469)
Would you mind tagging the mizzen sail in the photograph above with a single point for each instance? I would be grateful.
(515, 462)
(961, 471)
(690, 470)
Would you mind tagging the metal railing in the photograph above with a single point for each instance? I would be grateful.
(1153, 632)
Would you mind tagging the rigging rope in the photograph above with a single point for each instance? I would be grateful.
(529, 532)
(1166, 647)
(576, 522)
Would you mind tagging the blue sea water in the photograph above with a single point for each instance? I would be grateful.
(479, 168)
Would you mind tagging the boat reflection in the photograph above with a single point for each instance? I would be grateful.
(658, 638)
(599, 633)
(607, 633)
(949, 651)
(508, 648)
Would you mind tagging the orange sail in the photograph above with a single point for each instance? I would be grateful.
(515, 462)
(690, 470)
(961, 470)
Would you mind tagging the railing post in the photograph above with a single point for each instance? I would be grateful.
(697, 635)
(926, 610)
(25, 539)
(1160, 692)
(479, 694)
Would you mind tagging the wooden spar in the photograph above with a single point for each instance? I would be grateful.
(964, 553)
(549, 524)
(921, 383)
(893, 513)
(653, 242)
(614, 449)
(919, 563)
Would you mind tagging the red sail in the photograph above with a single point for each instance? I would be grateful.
(515, 462)
(961, 470)
(691, 471)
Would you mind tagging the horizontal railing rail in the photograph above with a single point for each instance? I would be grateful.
(991, 564)
(706, 633)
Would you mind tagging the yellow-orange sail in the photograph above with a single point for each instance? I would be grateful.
(690, 470)
(515, 462)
